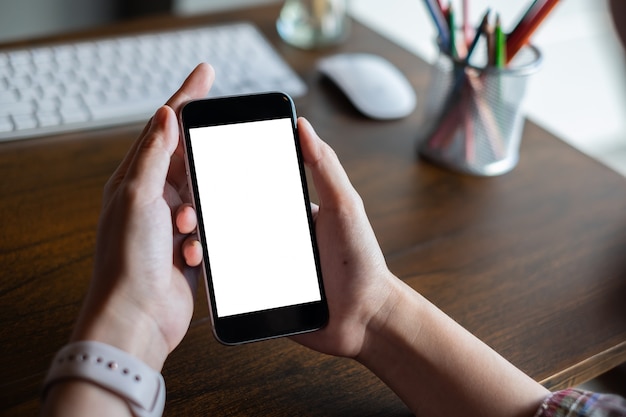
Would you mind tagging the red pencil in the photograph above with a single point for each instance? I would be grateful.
(527, 26)
(444, 8)
(467, 33)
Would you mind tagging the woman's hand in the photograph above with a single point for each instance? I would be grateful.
(144, 279)
(356, 278)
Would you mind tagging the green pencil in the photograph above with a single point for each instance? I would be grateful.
(451, 25)
(500, 47)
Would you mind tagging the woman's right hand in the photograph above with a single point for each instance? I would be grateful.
(356, 278)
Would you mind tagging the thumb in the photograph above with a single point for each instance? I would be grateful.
(331, 181)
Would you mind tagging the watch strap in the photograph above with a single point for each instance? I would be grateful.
(114, 370)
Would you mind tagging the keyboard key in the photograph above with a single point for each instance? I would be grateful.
(47, 118)
(9, 97)
(74, 115)
(6, 125)
(105, 111)
(24, 121)
(20, 107)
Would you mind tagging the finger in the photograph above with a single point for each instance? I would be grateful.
(196, 85)
(120, 172)
(192, 251)
(186, 220)
(148, 169)
(331, 181)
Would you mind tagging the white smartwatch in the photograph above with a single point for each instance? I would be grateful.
(108, 367)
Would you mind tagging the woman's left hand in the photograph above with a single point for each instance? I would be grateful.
(145, 272)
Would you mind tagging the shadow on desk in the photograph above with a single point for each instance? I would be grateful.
(613, 382)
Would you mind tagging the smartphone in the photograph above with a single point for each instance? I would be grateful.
(261, 263)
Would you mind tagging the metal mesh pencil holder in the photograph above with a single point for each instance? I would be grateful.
(475, 114)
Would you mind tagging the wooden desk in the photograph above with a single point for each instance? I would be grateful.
(532, 262)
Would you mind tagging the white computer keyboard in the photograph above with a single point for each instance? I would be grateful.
(61, 88)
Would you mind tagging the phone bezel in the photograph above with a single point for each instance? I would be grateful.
(264, 324)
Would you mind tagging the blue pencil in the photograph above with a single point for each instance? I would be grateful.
(440, 21)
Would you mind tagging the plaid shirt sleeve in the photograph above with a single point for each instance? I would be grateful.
(578, 403)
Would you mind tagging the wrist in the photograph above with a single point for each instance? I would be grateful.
(77, 397)
(125, 327)
(395, 323)
(439, 368)
(104, 370)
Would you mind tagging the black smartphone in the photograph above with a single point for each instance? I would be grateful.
(261, 263)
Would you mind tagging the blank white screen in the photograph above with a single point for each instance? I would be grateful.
(253, 210)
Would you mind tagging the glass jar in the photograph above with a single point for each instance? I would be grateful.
(311, 24)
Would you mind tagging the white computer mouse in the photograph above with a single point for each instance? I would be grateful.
(373, 84)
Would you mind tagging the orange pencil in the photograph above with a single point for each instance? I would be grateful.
(527, 26)
(526, 17)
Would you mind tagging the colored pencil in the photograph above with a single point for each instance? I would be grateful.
(486, 116)
(525, 29)
(481, 29)
(452, 24)
(437, 14)
(461, 75)
(442, 7)
(526, 17)
(467, 31)
(500, 45)
(491, 45)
